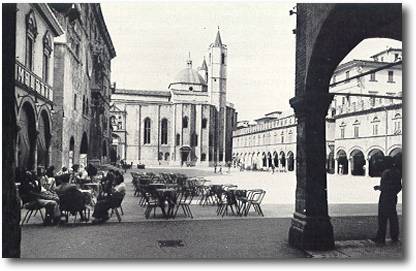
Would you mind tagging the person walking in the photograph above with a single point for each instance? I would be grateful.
(390, 186)
(272, 166)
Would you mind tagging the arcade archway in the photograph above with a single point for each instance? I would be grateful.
(375, 163)
(282, 160)
(397, 155)
(290, 161)
(342, 160)
(71, 151)
(26, 137)
(319, 50)
(83, 156)
(43, 140)
(275, 159)
(357, 163)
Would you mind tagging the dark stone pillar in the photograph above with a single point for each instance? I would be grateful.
(311, 227)
(11, 204)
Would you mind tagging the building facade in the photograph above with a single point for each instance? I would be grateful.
(36, 28)
(271, 142)
(360, 130)
(191, 122)
(82, 79)
(368, 128)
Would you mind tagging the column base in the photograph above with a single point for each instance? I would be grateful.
(311, 233)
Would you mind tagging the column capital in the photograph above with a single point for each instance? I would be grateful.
(313, 103)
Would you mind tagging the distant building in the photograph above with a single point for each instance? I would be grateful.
(360, 131)
(82, 79)
(36, 28)
(189, 123)
(367, 128)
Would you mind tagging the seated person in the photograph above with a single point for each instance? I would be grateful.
(91, 170)
(49, 181)
(30, 191)
(109, 200)
(81, 175)
(64, 186)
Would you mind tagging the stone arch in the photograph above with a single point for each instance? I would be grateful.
(282, 159)
(83, 153)
(342, 162)
(269, 159)
(26, 138)
(264, 159)
(325, 34)
(71, 151)
(290, 161)
(396, 153)
(354, 148)
(386, 20)
(275, 159)
(375, 162)
(357, 162)
(43, 140)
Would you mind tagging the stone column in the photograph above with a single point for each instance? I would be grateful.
(336, 167)
(350, 164)
(367, 167)
(311, 227)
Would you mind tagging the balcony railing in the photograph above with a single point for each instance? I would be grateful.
(31, 81)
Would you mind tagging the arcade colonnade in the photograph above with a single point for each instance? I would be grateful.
(281, 160)
(359, 162)
(325, 34)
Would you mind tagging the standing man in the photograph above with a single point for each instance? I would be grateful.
(390, 186)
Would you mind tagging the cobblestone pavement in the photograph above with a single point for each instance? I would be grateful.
(208, 236)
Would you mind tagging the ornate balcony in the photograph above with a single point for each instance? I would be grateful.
(32, 83)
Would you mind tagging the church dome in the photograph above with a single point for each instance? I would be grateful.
(189, 76)
(188, 79)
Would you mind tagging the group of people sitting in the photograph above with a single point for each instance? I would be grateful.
(45, 189)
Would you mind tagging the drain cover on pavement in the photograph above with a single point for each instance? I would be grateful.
(170, 243)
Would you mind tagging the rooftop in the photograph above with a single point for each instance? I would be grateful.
(159, 93)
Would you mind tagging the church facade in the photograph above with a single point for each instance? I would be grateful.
(189, 123)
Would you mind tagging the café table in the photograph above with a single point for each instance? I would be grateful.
(166, 196)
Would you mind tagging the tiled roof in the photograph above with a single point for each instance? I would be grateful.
(160, 93)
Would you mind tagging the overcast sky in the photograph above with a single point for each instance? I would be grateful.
(152, 42)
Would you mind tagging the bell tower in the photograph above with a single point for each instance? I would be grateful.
(217, 72)
(217, 85)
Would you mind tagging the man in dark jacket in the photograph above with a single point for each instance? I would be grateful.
(390, 186)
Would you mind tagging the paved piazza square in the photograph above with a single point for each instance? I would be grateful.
(281, 186)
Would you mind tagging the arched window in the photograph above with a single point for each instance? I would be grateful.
(160, 156)
(283, 137)
(47, 49)
(178, 139)
(185, 122)
(31, 33)
(167, 156)
(397, 124)
(164, 131)
(356, 129)
(204, 123)
(342, 130)
(194, 140)
(375, 123)
(147, 129)
(104, 148)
